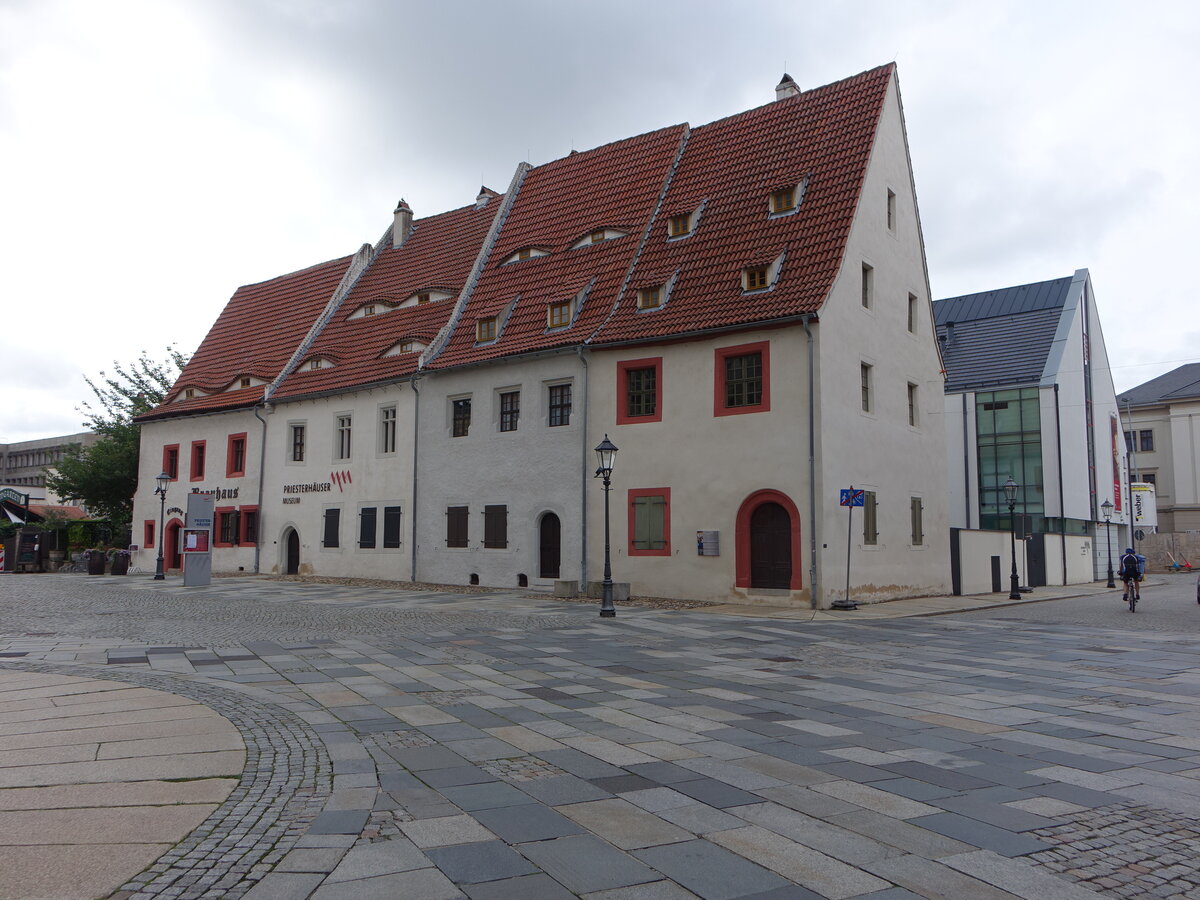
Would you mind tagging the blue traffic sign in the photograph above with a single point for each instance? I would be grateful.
(851, 497)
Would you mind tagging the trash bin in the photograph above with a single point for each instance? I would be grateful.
(120, 563)
(95, 562)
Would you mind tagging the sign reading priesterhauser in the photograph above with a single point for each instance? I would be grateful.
(309, 488)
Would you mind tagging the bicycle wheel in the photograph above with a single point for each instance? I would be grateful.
(1133, 603)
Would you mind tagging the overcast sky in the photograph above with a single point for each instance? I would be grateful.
(156, 155)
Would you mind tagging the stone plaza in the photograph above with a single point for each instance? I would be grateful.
(280, 740)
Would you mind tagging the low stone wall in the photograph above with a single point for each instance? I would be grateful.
(1161, 549)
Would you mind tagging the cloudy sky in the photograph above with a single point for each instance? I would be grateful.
(156, 154)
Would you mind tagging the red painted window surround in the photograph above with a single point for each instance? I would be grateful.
(148, 534)
(742, 536)
(231, 468)
(199, 461)
(172, 470)
(216, 533)
(244, 515)
(633, 494)
(623, 368)
(719, 356)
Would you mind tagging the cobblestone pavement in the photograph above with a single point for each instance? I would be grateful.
(492, 745)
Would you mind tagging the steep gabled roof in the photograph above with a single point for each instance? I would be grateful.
(255, 335)
(438, 254)
(1001, 337)
(1178, 384)
(818, 142)
(556, 204)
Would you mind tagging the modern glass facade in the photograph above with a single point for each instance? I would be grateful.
(1009, 437)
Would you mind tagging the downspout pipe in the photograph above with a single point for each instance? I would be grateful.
(412, 513)
(583, 473)
(262, 472)
(813, 570)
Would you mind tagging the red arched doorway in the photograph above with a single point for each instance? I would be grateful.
(171, 552)
(768, 542)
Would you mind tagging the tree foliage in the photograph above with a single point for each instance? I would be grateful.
(104, 475)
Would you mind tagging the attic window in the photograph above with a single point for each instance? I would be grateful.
(314, 364)
(406, 347)
(680, 225)
(423, 297)
(245, 382)
(485, 330)
(369, 309)
(526, 253)
(650, 297)
(558, 315)
(189, 393)
(597, 236)
(783, 200)
(755, 278)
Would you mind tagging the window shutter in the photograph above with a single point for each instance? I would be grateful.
(332, 521)
(366, 527)
(391, 527)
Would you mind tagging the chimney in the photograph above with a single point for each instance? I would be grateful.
(485, 194)
(402, 225)
(786, 88)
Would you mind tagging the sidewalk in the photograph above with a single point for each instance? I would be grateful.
(910, 606)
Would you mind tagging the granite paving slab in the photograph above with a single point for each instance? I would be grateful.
(711, 871)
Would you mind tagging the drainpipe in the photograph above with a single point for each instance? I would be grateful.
(583, 477)
(262, 462)
(813, 572)
(412, 573)
(1062, 504)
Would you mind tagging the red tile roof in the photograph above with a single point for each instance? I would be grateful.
(438, 254)
(256, 334)
(822, 137)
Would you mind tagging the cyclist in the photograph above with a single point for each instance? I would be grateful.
(1130, 574)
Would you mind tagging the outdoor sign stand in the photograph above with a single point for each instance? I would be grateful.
(849, 499)
(197, 540)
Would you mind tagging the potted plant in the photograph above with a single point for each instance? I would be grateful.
(119, 562)
(95, 561)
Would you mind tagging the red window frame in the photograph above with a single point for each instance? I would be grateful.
(202, 446)
(623, 369)
(217, 542)
(719, 356)
(632, 495)
(230, 470)
(167, 448)
(148, 534)
(243, 540)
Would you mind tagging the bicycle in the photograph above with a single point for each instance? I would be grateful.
(1133, 592)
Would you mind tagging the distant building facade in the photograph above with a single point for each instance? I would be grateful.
(24, 464)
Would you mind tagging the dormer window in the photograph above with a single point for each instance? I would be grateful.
(405, 346)
(783, 200)
(189, 393)
(314, 364)
(369, 309)
(596, 236)
(423, 297)
(599, 236)
(558, 315)
(245, 381)
(680, 225)
(485, 330)
(755, 278)
(525, 253)
(650, 297)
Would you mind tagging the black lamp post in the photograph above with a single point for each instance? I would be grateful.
(1010, 493)
(1107, 507)
(162, 481)
(606, 454)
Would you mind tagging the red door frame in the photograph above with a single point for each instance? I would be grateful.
(742, 537)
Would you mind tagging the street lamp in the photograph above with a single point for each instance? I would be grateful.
(606, 454)
(162, 481)
(1010, 493)
(1107, 507)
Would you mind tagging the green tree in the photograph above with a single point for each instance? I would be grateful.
(104, 475)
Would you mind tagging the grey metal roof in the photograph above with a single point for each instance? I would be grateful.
(1178, 384)
(1002, 338)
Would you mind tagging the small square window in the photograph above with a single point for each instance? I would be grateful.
(369, 309)
(650, 298)
(524, 253)
(485, 330)
(423, 297)
(245, 382)
(407, 347)
(755, 278)
(189, 393)
(558, 315)
(314, 364)
(597, 237)
(783, 200)
(678, 226)
(510, 410)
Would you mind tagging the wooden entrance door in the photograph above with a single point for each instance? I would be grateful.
(550, 544)
(293, 552)
(770, 547)
(172, 558)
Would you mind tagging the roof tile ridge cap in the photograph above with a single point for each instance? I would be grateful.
(358, 264)
(442, 339)
(862, 174)
(637, 256)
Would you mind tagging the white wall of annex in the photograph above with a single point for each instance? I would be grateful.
(370, 477)
(878, 449)
(535, 470)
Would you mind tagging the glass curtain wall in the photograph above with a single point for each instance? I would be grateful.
(1009, 438)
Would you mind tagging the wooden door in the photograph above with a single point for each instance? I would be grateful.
(770, 547)
(293, 553)
(550, 544)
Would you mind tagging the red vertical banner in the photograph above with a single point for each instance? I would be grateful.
(1116, 456)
